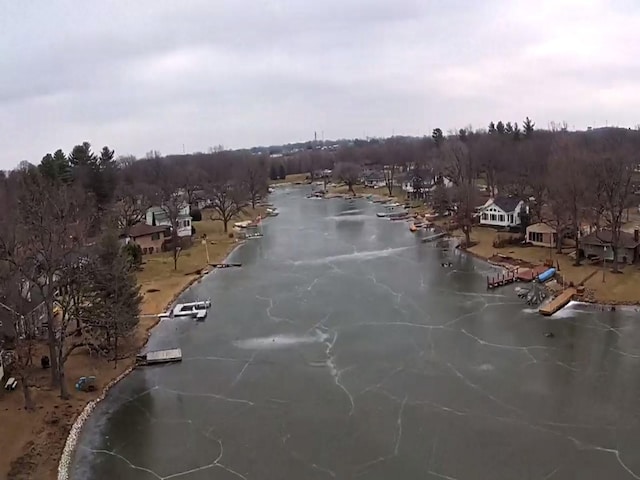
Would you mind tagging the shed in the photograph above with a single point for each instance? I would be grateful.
(542, 235)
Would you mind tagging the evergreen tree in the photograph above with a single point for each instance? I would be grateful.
(97, 174)
(55, 167)
(438, 136)
(500, 127)
(115, 306)
(81, 156)
(516, 131)
(508, 128)
(282, 172)
(528, 126)
(492, 128)
(105, 177)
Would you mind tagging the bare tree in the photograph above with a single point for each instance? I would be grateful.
(396, 155)
(557, 215)
(131, 205)
(462, 171)
(488, 152)
(255, 179)
(348, 173)
(227, 201)
(164, 176)
(51, 227)
(613, 166)
(190, 180)
(74, 297)
(568, 184)
(17, 332)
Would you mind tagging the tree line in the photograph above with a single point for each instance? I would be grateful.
(569, 179)
(60, 242)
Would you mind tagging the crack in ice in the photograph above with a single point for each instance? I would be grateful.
(270, 307)
(399, 424)
(335, 373)
(331, 473)
(239, 376)
(212, 395)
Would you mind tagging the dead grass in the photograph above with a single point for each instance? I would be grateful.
(31, 442)
(398, 194)
(617, 288)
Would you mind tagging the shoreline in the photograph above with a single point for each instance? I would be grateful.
(70, 445)
(581, 299)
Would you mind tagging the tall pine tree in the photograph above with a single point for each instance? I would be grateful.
(115, 306)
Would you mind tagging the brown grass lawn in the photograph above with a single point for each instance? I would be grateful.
(617, 288)
(31, 442)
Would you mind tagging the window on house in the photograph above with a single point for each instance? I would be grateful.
(493, 217)
(501, 218)
(485, 216)
(536, 237)
(155, 236)
(145, 250)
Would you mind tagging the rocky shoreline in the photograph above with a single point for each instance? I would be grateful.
(74, 433)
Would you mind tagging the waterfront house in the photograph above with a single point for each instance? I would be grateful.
(149, 237)
(159, 216)
(374, 179)
(23, 312)
(598, 244)
(502, 212)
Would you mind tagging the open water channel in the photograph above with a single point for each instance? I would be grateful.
(343, 349)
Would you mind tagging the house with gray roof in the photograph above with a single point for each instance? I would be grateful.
(159, 216)
(502, 212)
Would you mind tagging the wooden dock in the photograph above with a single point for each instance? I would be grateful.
(501, 280)
(558, 302)
(159, 356)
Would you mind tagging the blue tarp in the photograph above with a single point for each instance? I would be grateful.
(544, 276)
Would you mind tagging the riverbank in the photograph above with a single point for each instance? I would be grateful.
(32, 442)
(601, 285)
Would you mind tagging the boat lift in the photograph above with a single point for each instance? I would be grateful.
(197, 310)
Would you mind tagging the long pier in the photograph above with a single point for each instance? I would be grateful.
(557, 302)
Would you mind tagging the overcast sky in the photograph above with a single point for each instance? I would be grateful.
(156, 74)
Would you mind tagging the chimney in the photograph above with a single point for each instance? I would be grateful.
(636, 234)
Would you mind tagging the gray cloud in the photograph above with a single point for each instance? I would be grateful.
(157, 74)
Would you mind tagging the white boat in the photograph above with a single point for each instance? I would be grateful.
(243, 224)
(382, 214)
(272, 212)
(197, 310)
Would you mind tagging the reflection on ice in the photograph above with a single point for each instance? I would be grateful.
(280, 341)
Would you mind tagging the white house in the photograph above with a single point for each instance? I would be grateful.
(408, 184)
(159, 216)
(502, 212)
